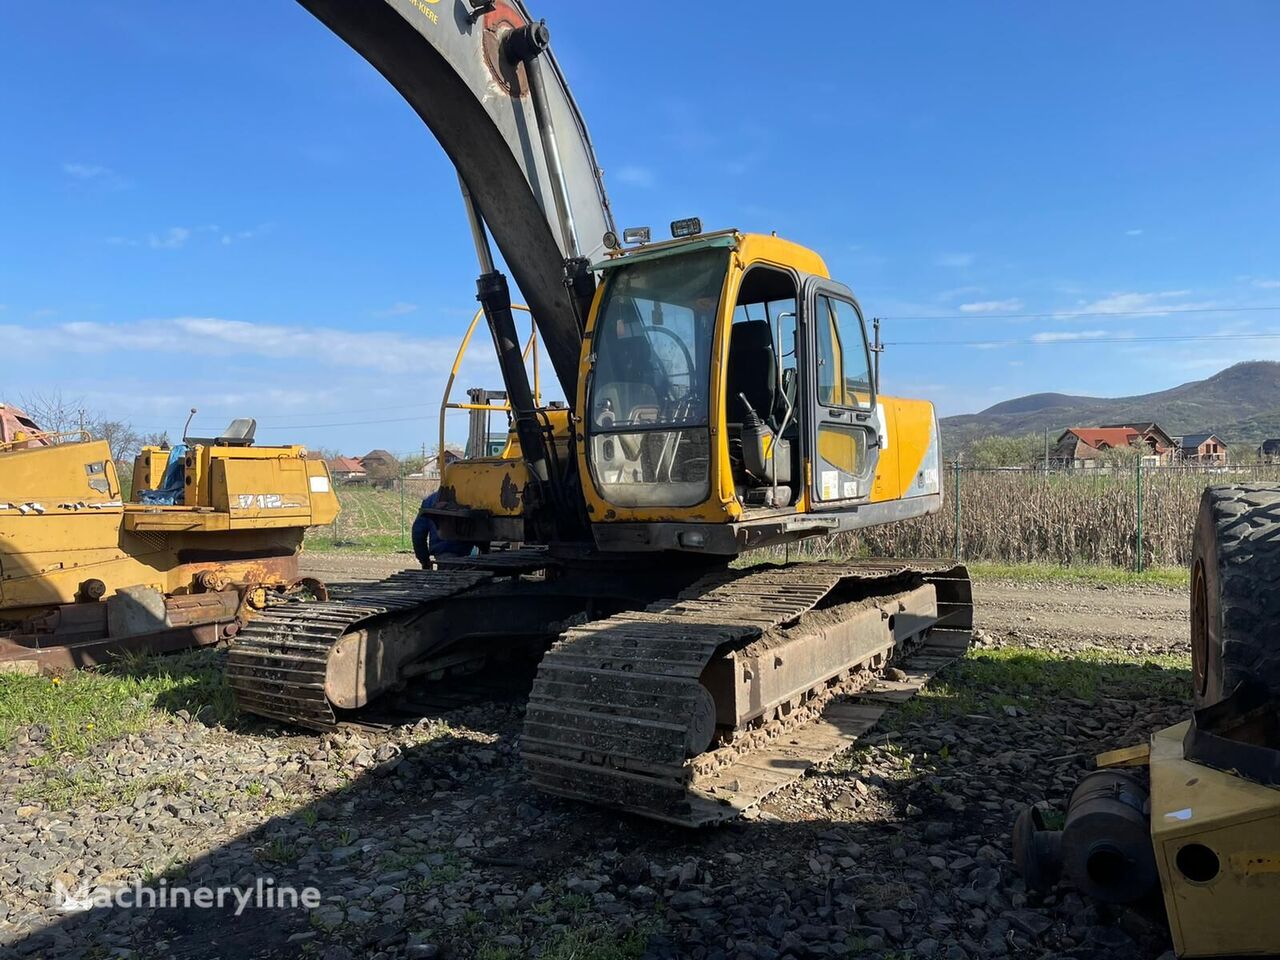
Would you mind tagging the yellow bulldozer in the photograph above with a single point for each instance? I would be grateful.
(721, 398)
(211, 534)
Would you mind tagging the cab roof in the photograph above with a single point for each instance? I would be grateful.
(751, 248)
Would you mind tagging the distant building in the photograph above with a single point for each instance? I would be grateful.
(1083, 448)
(346, 470)
(1203, 448)
(1269, 452)
(431, 469)
(1159, 443)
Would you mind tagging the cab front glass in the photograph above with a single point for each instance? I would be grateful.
(648, 420)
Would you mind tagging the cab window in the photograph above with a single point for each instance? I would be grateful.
(844, 365)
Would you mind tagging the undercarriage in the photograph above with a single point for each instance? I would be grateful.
(684, 693)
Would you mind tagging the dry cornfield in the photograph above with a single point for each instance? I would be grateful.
(1018, 516)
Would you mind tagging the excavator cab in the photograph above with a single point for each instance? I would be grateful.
(727, 398)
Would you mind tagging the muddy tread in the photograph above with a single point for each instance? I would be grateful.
(1245, 525)
(277, 664)
(609, 714)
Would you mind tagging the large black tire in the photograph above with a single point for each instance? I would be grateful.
(1235, 591)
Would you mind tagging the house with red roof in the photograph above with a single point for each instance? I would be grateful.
(347, 470)
(1086, 447)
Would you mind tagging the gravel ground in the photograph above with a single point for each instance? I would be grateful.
(424, 841)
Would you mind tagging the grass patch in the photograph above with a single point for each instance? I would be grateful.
(63, 790)
(365, 543)
(592, 942)
(1173, 577)
(986, 681)
(89, 707)
(596, 942)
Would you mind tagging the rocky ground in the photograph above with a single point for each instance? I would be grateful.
(423, 839)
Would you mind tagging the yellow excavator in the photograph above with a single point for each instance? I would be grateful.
(210, 536)
(722, 397)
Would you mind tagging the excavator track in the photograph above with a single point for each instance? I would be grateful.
(278, 664)
(619, 714)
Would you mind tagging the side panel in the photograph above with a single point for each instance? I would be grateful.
(909, 451)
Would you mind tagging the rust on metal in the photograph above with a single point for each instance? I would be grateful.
(295, 661)
(616, 704)
(498, 23)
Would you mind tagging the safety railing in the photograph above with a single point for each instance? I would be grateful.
(446, 404)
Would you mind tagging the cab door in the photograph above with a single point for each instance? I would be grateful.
(842, 437)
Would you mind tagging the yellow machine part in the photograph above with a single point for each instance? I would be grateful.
(908, 426)
(905, 468)
(62, 521)
(1217, 843)
(495, 485)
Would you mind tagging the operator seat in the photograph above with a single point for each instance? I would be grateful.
(752, 371)
(634, 382)
(239, 433)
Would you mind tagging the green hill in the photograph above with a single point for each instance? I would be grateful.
(1241, 404)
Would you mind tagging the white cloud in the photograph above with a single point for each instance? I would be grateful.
(956, 259)
(397, 309)
(386, 352)
(1267, 284)
(1155, 303)
(171, 239)
(634, 175)
(992, 306)
(945, 295)
(92, 173)
(226, 238)
(1063, 336)
(175, 237)
(1135, 232)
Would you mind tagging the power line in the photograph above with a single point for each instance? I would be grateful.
(1071, 339)
(1088, 313)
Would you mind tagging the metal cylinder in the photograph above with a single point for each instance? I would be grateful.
(525, 45)
(1106, 840)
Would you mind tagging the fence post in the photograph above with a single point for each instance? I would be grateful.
(401, 504)
(956, 490)
(1138, 474)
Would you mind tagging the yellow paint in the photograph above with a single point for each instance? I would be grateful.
(425, 10)
(1134, 756)
(239, 501)
(1234, 911)
(909, 425)
(478, 483)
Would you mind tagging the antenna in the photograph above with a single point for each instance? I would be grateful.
(877, 348)
(187, 426)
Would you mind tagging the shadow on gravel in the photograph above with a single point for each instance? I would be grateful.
(895, 849)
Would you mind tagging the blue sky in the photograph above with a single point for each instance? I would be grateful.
(223, 206)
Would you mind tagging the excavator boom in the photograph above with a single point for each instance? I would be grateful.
(456, 66)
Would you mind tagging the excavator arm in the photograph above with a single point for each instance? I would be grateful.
(456, 64)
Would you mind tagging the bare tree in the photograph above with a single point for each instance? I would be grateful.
(53, 412)
(123, 440)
